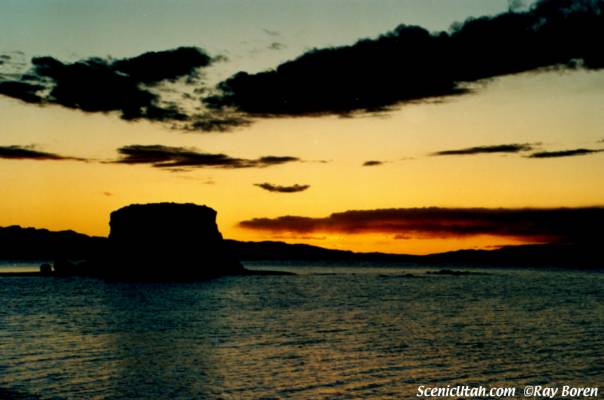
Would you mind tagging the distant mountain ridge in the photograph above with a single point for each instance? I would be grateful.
(537, 255)
(17, 243)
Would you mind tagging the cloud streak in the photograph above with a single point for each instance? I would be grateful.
(282, 189)
(502, 148)
(14, 152)
(276, 46)
(372, 163)
(565, 153)
(410, 64)
(160, 156)
(531, 225)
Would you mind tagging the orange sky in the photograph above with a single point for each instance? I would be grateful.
(554, 110)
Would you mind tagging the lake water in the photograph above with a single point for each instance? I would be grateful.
(327, 333)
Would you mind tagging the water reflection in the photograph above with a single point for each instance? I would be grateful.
(363, 335)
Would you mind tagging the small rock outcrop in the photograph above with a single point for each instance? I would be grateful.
(165, 241)
(45, 269)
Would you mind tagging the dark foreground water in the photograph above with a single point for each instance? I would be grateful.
(356, 334)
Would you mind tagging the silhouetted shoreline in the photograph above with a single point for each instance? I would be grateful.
(30, 244)
(147, 242)
(246, 272)
(170, 241)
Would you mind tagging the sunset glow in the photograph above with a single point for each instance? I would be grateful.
(550, 110)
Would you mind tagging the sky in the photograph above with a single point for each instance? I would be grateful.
(314, 122)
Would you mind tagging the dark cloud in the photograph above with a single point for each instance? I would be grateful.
(282, 189)
(517, 148)
(531, 225)
(160, 156)
(216, 122)
(271, 32)
(502, 148)
(275, 160)
(131, 87)
(372, 163)
(276, 46)
(153, 67)
(411, 64)
(30, 153)
(515, 5)
(564, 153)
(24, 91)
(407, 64)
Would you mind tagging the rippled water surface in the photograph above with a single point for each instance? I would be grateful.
(324, 334)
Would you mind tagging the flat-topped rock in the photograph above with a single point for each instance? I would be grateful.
(167, 240)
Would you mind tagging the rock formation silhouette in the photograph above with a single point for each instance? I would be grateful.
(166, 241)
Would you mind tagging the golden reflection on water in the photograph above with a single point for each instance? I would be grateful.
(370, 334)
